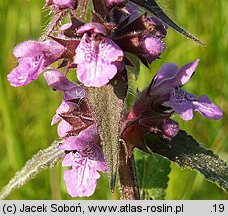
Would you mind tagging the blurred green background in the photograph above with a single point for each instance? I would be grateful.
(26, 112)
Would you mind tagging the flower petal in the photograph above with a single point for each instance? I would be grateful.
(68, 160)
(180, 104)
(33, 57)
(83, 140)
(62, 4)
(58, 81)
(207, 108)
(81, 180)
(185, 73)
(93, 28)
(98, 156)
(29, 49)
(64, 107)
(167, 71)
(164, 79)
(28, 70)
(170, 128)
(97, 61)
(110, 3)
(153, 47)
(169, 76)
(186, 113)
(63, 128)
(52, 52)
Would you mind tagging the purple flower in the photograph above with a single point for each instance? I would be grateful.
(79, 131)
(98, 58)
(59, 81)
(64, 127)
(170, 129)
(141, 36)
(154, 106)
(86, 159)
(72, 91)
(62, 4)
(168, 82)
(33, 57)
(110, 3)
(152, 47)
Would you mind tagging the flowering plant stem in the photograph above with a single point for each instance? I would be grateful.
(98, 133)
(46, 158)
(56, 19)
(127, 175)
(108, 104)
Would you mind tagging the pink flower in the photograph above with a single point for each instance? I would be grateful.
(152, 47)
(98, 58)
(86, 159)
(62, 4)
(59, 81)
(110, 3)
(72, 92)
(168, 82)
(33, 57)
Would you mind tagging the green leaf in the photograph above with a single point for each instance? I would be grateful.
(188, 153)
(132, 76)
(40, 161)
(153, 7)
(107, 103)
(153, 171)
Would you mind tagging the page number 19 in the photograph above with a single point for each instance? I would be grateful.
(218, 208)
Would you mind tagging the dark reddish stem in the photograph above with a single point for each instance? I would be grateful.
(127, 175)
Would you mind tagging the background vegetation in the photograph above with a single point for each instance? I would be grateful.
(26, 112)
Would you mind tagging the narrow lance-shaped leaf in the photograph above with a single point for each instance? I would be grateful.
(153, 7)
(40, 161)
(107, 104)
(152, 173)
(187, 152)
